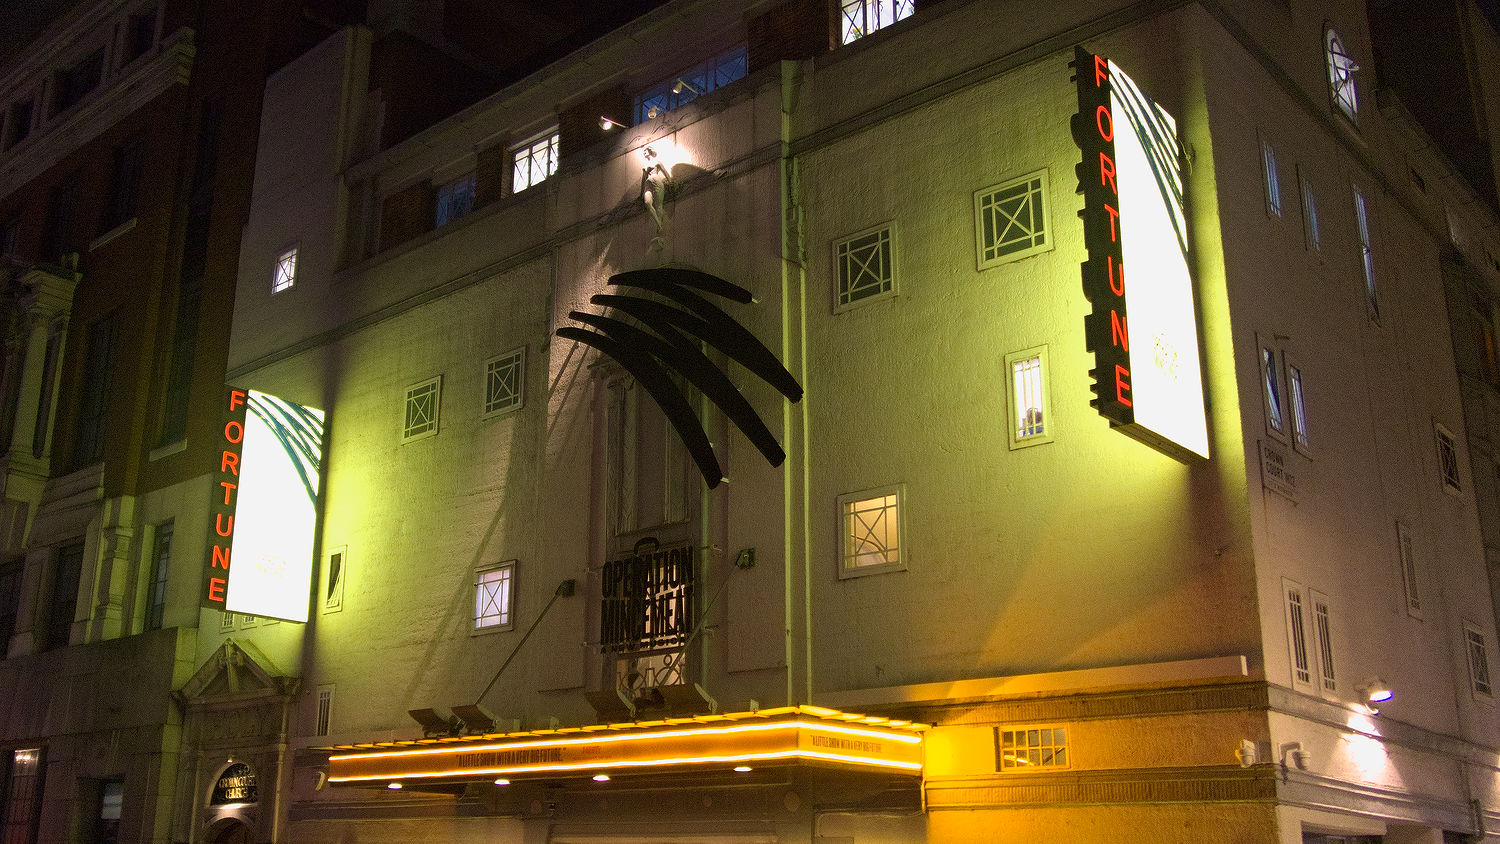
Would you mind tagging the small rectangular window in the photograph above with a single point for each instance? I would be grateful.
(866, 267)
(1447, 453)
(335, 571)
(1300, 439)
(1296, 617)
(161, 558)
(66, 580)
(1479, 661)
(1367, 255)
(1031, 748)
(666, 95)
(10, 600)
(1011, 220)
(325, 711)
(1324, 630)
(226, 622)
(111, 802)
(124, 185)
(454, 200)
(18, 121)
(57, 237)
(1407, 554)
(870, 534)
(1026, 394)
(75, 83)
(1273, 179)
(1310, 231)
(534, 161)
(140, 35)
(504, 382)
(91, 428)
(10, 234)
(493, 596)
(422, 404)
(1270, 379)
(284, 275)
(24, 778)
(859, 18)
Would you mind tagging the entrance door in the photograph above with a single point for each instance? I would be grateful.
(232, 832)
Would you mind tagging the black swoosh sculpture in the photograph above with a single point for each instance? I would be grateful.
(670, 344)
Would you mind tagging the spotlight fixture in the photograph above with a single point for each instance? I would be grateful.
(1293, 756)
(608, 123)
(743, 769)
(502, 781)
(601, 777)
(394, 785)
(1247, 753)
(1374, 692)
(684, 85)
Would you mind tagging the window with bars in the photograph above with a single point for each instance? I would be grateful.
(284, 275)
(492, 597)
(454, 200)
(324, 713)
(1310, 231)
(870, 535)
(161, 557)
(1026, 396)
(504, 380)
(716, 72)
(1341, 68)
(1406, 551)
(1011, 220)
(422, 404)
(1030, 748)
(1367, 254)
(24, 777)
(226, 622)
(1273, 178)
(1447, 454)
(858, 18)
(1296, 617)
(1323, 630)
(866, 269)
(533, 161)
(1479, 661)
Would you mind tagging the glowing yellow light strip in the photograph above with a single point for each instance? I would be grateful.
(686, 760)
(642, 736)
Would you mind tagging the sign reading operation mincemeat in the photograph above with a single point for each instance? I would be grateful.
(264, 507)
(1131, 179)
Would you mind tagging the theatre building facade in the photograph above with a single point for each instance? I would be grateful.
(870, 422)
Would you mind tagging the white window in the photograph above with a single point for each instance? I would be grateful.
(1031, 748)
(1298, 407)
(1270, 380)
(870, 532)
(335, 570)
(1367, 255)
(533, 162)
(493, 596)
(1407, 553)
(285, 274)
(1479, 661)
(454, 200)
(324, 714)
(1296, 628)
(226, 621)
(1011, 220)
(504, 379)
(1026, 397)
(862, 17)
(1341, 69)
(1324, 630)
(866, 267)
(1447, 453)
(1273, 178)
(1310, 230)
(422, 404)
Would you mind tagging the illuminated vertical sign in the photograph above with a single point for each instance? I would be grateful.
(1133, 216)
(264, 507)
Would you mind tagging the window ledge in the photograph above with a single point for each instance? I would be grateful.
(168, 450)
(112, 233)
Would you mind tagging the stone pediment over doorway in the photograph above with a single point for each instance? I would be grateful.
(236, 671)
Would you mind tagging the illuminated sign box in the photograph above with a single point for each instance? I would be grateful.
(265, 507)
(1147, 377)
(790, 735)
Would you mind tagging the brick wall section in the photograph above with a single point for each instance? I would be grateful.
(405, 214)
(798, 29)
(578, 124)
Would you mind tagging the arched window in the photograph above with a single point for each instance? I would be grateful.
(1341, 69)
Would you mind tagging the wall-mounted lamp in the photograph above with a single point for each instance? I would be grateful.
(1247, 753)
(608, 123)
(684, 85)
(1292, 755)
(1374, 692)
(394, 786)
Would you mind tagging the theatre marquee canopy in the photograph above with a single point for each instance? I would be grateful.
(786, 736)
